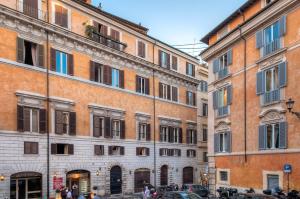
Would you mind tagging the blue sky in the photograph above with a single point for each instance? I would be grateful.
(175, 22)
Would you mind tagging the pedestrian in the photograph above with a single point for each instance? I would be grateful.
(69, 194)
(96, 197)
(146, 193)
(63, 192)
(81, 197)
(75, 191)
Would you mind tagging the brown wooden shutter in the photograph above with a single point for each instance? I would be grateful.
(122, 133)
(137, 84)
(42, 121)
(180, 135)
(187, 68)
(174, 94)
(64, 16)
(193, 71)
(194, 99)
(53, 149)
(103, 30)
(110, 149)
(148, 136)
(160, 133)
(195, 137)
(122, 150)
(147, 86)
(20, 50)
(58, 122)
(107, 125)
(169, 92)
(92, 71)
(20, 118)
(170, 134)
(53, 59)
(102, 150)
(70, 64)
(160, 152)
(40, 55)
(174, 63)
(160, 57)
(98, 149)
(168, 61)
(121, 78)
(147, 151)
(107, 75)
(188, 136)
(179, 152)
(97, 126)
(140, 49)
(72, 119)
(35, 148)
(26, 116)
(27, 148)
(58, 15)
(71, 149)
(138, 149)
(160, 90)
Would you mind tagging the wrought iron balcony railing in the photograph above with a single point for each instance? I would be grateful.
(272, 47)
(107, 41)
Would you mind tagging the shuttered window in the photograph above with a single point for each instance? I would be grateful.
(62, 149)
(273, 136)
(30, 8)
(269, 39)
(220, 65)
(190, 69)
(62, 62)
(98, 126)
(174, 63)
(31, 119)
(98, 150)
(191, 153)
(65, 122)
(164, 131)
(190, 98)
(163, 152)
(222, 142)
(96, 72)
(115, 35)
(116, 77)
(116, 150)
(164, 59)
(142, 85)
(61, 16)
(142, 151)
(222, 98)
(269, 82)
(141, 49)
(30, 53)
(191, 136)
(204, 136)
(31, 148)
(116, 128)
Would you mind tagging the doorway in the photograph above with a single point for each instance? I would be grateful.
(188, 175)
(26, 185)
(164, 175)
(141, 178)
(79, 179)
(116, 180)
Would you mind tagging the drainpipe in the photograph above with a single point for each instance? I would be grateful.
(154, 119)
(48, 106)
(245, 87)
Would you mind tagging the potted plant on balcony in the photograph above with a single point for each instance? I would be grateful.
(89, 30)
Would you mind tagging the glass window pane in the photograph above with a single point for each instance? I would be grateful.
(268, 80)
(276, 136)
(58, 61)
(35, 120)
(269, 136)
(268, 35)
(64, 63)
(275, 78)
(221, 142)
(34, 184)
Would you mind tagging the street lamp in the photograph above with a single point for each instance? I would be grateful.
(290, 104)
(2, 178)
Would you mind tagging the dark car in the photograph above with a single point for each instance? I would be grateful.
(180, 195)
(197, 189)
(254, 196)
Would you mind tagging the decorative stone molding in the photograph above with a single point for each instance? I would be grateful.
(106, 111)
(168, 121)
(30, 99)
(223, 125)
(272, 115)
(274, 59)
(191, 125)
(142, 117)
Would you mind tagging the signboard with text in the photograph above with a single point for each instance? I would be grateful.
(57, 183)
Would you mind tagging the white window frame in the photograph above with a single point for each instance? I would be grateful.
(164, 152)
(165, 130)
(100, 76)
(190, 69)
(117, 73)
(224, 142)
(190, 98)
(143, 131)
(117, 151)
(273, 84)
(222, 95)
(176, 152)
(116, 127)
(40, 11)
(191, 153)
(61, 62)
(142, 81)
(165, 91)
(67, 122)
(176, 134)
(265, 177)
(222, 182)
(69, 14)
(164, 59)
(31, 117)
(273, 136)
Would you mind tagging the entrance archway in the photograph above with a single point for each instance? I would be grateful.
(115, 180)
(141, 177)
(79, 179)
(164, 175)
(26, 185)
(188, 175)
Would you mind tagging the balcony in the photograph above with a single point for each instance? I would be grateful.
(270, 97)
(222, 111)
(31, 10)
(271, 47)
(222, 73)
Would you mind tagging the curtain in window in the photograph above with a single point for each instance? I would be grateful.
(34, 54)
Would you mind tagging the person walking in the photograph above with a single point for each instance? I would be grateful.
(75, 191)
(63, 192)
(146, 193)
(69, 194)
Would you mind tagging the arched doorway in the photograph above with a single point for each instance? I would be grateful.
(141, 177)
(26, 185)
(164, 175)
(115, 180)
(79, 179)
(188, 175)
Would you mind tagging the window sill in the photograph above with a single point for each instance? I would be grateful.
(262, 59)
(222, 79)
(271, 103)
(222, 116)
(142, 155)
(32, 155)
(62, 155)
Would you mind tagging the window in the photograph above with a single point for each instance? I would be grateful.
(30, 7)
(204, 138)
(174, 63)
(190, 69)
(143, 131)
(31, 148)
(115, 77)
(176, 135)
(168, 92)
(116, 150)
(61, 62)
(222, 142)
(96, 72)
(176, 152)
(204, 109)
(191, 153)
(98, 126)
(191, 98)
(65, 122)
(61, 16)
(164, 59)
(272, 82)
(116, 128)
(224, 176)
(273, 181)
(273, 136)
(220, 65)
(163, 152)
(205, 158)
(203, 86)
(191, 136)
(99, 150)
(141, 49)
(30, 53)
(268, 1)
(142, 85)
(31, 119)
(115, 35)
(164, 134)
(221, 100)
(62, 149)
(142, 151)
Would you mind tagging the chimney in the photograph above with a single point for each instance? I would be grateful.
(87, 1)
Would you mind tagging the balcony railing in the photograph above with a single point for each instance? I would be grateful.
(223, 73)
(31, 11)
(107, 41)
(223, 111)
(271, 47)
(270, 97)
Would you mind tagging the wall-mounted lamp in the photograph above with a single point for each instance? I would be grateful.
(2, 178)
(97, 173)
(290, 104)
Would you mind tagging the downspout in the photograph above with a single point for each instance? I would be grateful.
(48, 105)
(245, 87)
(154, 118)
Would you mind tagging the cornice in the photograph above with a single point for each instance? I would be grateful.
(248, 27)
(24, 24)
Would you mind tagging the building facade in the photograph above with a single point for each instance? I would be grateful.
(90, 99)
(253, 71)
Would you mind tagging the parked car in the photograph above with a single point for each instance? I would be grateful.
(197, 189)
(254, 196)
(180, 195)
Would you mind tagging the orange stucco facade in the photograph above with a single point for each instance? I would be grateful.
(247, 164)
